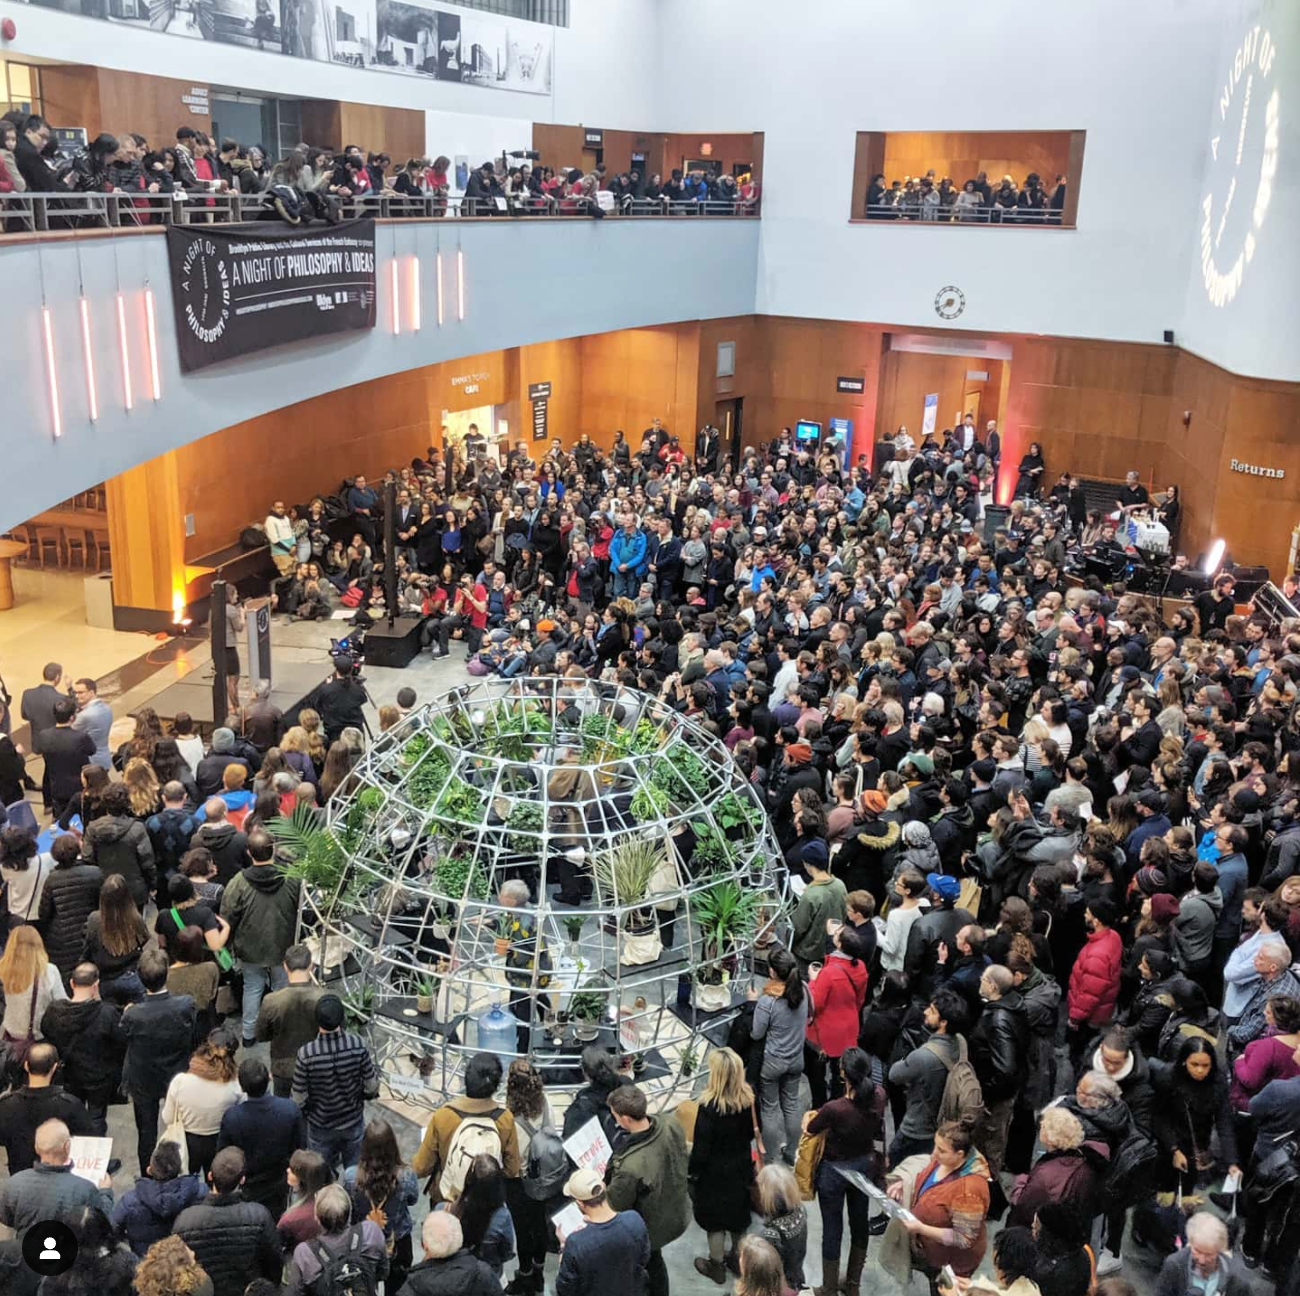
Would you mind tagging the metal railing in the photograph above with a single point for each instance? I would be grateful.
(953, 215)
(37, 213)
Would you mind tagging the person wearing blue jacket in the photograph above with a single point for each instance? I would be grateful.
(627, 560)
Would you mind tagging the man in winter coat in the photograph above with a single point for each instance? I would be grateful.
(954, 830)
(287, 1017)
(1204, 1264)
(1198, 918)
(170, 832)
(117, 843)
(146, 1212)
(627, 558)
(269, 1130)
(923, 1073)
(938, 927)
(823, 899)
(1094, 979)
(999, 1052)
(610, 1254)
(647, 1174)
(226, 843)
(88, 1034)
(25, 1109)
(962, 965)
(224, 752)
(49, 1190)
(1124, 1064)
(1040, 997)
(261, 906)
(448, 1269)
(234, 1240)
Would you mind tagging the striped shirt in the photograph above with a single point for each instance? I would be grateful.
(333, 1076)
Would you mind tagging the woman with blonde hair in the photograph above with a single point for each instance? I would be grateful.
(201, 1096)
(170, 1269)
(31, 983)
(142, 784)
(294, 747)
(785, 1221)
(721, 1168)
(1064, 1172)
(316, 747)
(759, 1267)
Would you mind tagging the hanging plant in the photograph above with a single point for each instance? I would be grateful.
(458, 878)
(524, 825)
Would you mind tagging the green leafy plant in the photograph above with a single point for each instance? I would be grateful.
(733, 811)
(415, 747)
(588, 1004)
(459, 802)
(359, 1006)
(646, 738)
(690, 1059)
(602, 737)
(712, 849)
(513, 732)
(309, 850)
(427, 780)
(573, 926)
(458, 877)
(524, 822)
(623, 872)
(649, 802)
(682, 775)
(725, 913)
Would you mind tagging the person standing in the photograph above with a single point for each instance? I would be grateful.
(287, 1017)
(279, 531)
(118, 843)
(823, 901)
(448, 1268)
(160, 1032)
(25, 1109)
(721, 1166)
(49, 1190)
(610, 1254)
(88, 1034)
(269, 1130)
(147, 1212)
(70, 895)
(38, 710)
(65, 749)
(781, 1021)
(383, 1189)
(95, 719)
(837, 994)
(201, 1095)
(647, 1174)
(261, 906)
(333, 1076)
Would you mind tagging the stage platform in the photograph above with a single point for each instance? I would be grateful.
(291, 682)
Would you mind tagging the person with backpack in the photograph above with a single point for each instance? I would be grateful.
(383, 1190)
(923, 1074)
(344, 1259)
(170, 831)
(533, 1196)
(465, 1128)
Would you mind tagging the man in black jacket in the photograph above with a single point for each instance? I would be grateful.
(88, 1034)
(340, 699)
(161, 1031)
(226, 750)
(65, 751)
(23, 1111)
(269, 1130)
(999, 1051)
(38, 710)
(40, 176)
(232, 1238)
(938, 927)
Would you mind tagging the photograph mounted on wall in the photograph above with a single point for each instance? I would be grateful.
(437, 41)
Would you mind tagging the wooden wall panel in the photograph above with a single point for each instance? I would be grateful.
(322, 123)
(399, 132)
(560, 146)
(145, 527)
(960, 154)
(727, 149)
(101, 99)
(71, 96)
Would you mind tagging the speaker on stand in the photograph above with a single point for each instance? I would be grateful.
(995, 516)
(217, 627)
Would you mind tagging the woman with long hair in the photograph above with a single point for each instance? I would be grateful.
(24, 870)
(170, 1269)
(30, 983)
(201, 1096)
(307, 1174)
(148, 729)
(170, 765)
(316, 748)
(781, 1019)
(526, 1100)
(141, 782)
(721, 1166)
(760, 1270)
(1192, 1105)
(484, 1219)
(295, 747)
(115, 938)
(338, 770)
(837, 995)
(86, 805)
(785, 1221)
(851, 1124)
(383, 1189)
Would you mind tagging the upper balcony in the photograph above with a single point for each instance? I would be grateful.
(91, 341)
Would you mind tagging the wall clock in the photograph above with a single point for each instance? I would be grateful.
(949, 302)
(1242, 166)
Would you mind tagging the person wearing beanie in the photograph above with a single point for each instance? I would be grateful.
(823, 900)
(936, 929)
(795, 772)
(212, 767)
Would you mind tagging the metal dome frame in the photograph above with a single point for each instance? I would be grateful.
(525, 779)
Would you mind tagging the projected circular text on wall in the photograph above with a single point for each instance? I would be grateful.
(1242, 168)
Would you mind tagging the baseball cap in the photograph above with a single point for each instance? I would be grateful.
(947, 888)
(583, 1185)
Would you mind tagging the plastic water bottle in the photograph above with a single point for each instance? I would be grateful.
(496, 1031)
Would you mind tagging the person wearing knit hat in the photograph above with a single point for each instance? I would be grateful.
(920, 762)
(1152, 881)
(824, 899)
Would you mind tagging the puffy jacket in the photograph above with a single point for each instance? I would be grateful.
(999, 1047)
(1193, 929)
(147, 1212)
(461, 1274)
(647, 1174)
(261, 906)
(921, 961)
(118, 844)
(837, 996)
(1094, 979)
(629, 549)
(1071, 1175)
(233, 1240)
(69, 897)
(88, 1035)
(1040, 996)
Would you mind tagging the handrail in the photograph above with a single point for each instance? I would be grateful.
(951, 215)
(39, 213)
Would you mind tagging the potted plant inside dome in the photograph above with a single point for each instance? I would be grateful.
(586, 1008)
(725, 914)
(624, 874)
(524, 825)
(424, 992)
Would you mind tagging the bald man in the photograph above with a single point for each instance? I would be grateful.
(49, 1190)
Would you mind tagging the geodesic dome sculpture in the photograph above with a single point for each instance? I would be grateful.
(527, 866)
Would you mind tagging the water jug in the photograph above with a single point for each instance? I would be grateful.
(496, 1031)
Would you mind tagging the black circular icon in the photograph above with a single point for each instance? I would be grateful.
(49, 1248)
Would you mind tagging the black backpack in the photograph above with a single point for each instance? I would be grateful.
(349, 1273)
(170, 835)
(548, 1163)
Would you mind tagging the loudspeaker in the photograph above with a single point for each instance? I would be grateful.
(393, 643)
(1248, 580)
(995, 516)
(217, 636)
(1169, 336)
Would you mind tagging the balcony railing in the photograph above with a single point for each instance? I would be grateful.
(912, 214)
(36, 213)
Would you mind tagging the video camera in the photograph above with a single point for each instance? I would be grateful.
(347, 659)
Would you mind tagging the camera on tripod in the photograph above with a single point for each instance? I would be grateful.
(347, 659)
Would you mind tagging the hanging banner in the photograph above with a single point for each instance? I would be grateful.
(931, 415)
(236, 291)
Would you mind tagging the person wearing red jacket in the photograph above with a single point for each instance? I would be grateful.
(1094, 979)
(837, 995)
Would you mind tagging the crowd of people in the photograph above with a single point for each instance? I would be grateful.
(933, 198)
(312, 182)
(1041, 969)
